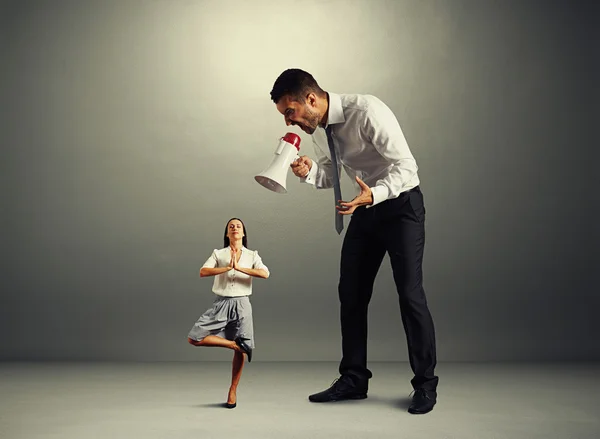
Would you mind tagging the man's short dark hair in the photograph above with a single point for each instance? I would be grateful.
(296, 83)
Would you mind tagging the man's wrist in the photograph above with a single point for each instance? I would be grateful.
(377, 196)
(310, 176)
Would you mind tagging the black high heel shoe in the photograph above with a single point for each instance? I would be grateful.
(230, 406)
(241, 342)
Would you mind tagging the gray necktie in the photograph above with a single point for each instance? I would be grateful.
(339, 219)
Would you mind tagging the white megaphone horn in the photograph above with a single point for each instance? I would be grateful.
(274, 177)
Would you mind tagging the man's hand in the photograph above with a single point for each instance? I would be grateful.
(365, 198)
(302, 166)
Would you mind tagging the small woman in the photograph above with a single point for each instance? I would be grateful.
(228, 323)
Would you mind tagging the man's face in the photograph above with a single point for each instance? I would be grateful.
(303, 114)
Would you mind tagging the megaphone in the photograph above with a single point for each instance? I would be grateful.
(274, 177)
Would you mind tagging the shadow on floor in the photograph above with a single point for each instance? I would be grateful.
(217, 405)
(400, 403)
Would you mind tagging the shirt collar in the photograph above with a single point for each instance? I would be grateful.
(229, 248)
(336, 112)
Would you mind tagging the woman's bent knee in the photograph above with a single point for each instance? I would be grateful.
(194, 342)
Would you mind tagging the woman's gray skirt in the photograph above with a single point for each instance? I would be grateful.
(229, 317)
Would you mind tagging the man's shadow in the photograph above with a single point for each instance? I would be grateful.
(399, 403)
(402, 403)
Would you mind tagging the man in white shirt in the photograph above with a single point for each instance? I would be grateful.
(362, 135)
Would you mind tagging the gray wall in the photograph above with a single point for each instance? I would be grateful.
(131, 132)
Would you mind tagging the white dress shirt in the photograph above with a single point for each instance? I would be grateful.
(369, 143)
(234, 283)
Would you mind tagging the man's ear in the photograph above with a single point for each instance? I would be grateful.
(311, 99)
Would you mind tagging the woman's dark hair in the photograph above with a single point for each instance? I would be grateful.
(244, 238)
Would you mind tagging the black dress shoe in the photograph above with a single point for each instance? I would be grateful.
(422, 402)
(241, 342)
(230, 406)
(341, 389)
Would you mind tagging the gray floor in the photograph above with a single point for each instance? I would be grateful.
(182, 400)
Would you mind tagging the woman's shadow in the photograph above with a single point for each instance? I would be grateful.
(216, 405)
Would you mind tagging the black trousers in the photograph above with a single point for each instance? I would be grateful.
(395, 226)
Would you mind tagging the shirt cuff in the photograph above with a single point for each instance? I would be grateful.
(379, 194)
(312, 174)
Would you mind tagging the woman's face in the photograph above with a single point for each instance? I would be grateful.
(235, 230)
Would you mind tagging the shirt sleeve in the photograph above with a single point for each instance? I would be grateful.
(321, 172)
(259, 264)
(383, 130)
(212, 261)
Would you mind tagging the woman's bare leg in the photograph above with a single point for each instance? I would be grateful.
(216, 341)
(236, 374)
(238, 360)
